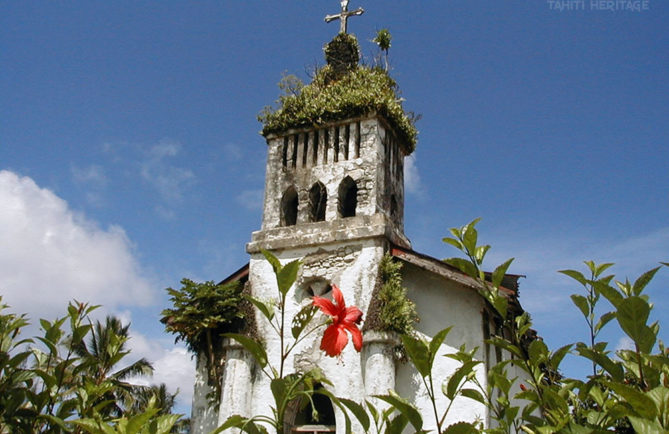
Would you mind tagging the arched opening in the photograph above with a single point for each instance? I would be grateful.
(305, 420)
(318, 198)
(348, 197)
(289, 207)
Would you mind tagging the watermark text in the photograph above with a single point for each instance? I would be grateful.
(599, 5)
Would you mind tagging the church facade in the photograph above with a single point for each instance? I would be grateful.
(334, 199)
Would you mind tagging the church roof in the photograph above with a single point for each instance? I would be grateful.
(509, 286)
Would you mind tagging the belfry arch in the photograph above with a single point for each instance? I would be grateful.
(318, 198)
(289, 204)
(348, 197)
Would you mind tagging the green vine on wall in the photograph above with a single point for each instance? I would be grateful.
(391, 309)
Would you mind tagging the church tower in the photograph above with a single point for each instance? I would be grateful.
(334, 200)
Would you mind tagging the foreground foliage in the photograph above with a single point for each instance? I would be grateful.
(68, 379)
(628, 390)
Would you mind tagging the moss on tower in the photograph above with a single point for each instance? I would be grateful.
(340, 90)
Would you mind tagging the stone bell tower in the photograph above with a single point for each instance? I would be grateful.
(342, 181)
(334, 199)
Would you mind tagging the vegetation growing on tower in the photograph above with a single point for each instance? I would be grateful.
(340, 90)
(391, 309)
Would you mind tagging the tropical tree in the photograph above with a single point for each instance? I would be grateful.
(72, 378)
(102, 354)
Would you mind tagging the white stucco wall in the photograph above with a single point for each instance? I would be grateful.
(204, 416)
(353, 267)
(441, 303)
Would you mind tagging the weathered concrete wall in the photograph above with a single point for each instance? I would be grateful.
(237, 376)
(204, 416)
(441, 303)
(362, 149)
(353, 267)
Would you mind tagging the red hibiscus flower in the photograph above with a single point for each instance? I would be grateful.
(343, 318)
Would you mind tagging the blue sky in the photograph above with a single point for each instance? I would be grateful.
(131, 158)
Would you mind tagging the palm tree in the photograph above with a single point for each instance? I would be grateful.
(156, 396)
(382, 39)
(142, 399)
(102, 354)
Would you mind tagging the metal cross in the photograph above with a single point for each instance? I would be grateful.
(343, 15)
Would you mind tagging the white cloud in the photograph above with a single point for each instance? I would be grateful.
(93, 179)
(92, 175)
(624, 343)
(51, 255)
(251, 199)
(411, 176)
(169, 180)
(233, 152)
(173, 366)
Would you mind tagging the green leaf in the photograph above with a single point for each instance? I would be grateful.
(603, 320)
(559, 355)
(470, 238)
(251, 346)
(506, 345)
(91, 426)
(450, 388)
(500, 272)
(279, 389)
(358, 411)
(397, 424)
(643, 280)
(267, 309)
(611, 294)
(642, 404)
(418, 353)
(245, 424)
(463, 265)
(436, 342)
(403, 407)
(642, 425)
(576, 275)
(453, 242)
(274, 262)
(481, 252)
(632, 315)
(582, 304)
(163, 424)
(612, 368)
(501, 304)
(302, 319)
(136, 423)
(287, 276)
(660, 396)
(602, 268)
(538, 352)
(473, 394)
(461, 428)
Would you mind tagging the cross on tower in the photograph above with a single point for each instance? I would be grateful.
(343, 15)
